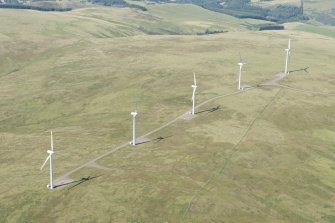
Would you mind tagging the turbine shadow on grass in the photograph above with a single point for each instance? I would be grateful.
(210, 110)
(302, 69)
(77, 182)
(158, 139)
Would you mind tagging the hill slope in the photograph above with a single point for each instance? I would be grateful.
(265, 155)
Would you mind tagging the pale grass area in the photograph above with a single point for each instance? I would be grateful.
(311, 5)
(275, 2)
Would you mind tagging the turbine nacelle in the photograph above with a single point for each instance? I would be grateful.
(134, 113)
(288, 50)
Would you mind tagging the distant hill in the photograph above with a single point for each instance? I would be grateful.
(248, 9)
(269, 10)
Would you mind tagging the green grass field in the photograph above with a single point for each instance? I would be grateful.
(322, 30)
(267, 155)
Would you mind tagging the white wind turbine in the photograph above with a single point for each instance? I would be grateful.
(288, 54)
(134, 114)
(50, 152)
(194, 86)
(241, 63)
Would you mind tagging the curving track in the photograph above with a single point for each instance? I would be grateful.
(64, 179)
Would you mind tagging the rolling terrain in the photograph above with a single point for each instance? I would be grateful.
(264, 155)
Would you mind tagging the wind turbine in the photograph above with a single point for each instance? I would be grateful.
(50, 152)
(134, 114)
(288, 54)
(241, 63)
(194, 86)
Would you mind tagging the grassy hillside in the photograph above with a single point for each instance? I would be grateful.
(309, 6)
(320, 12)
(322, 30)
(192, 15)
(266, 155)
(39, 29)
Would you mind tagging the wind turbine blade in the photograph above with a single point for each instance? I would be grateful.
(138, 103)
(289, 44)
(45, 161)
(195, 80)
(51, 141)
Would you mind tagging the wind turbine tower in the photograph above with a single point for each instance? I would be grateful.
(241, 63)
(50, 152)
(134, 114)
(194, 86)
(288, 54)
